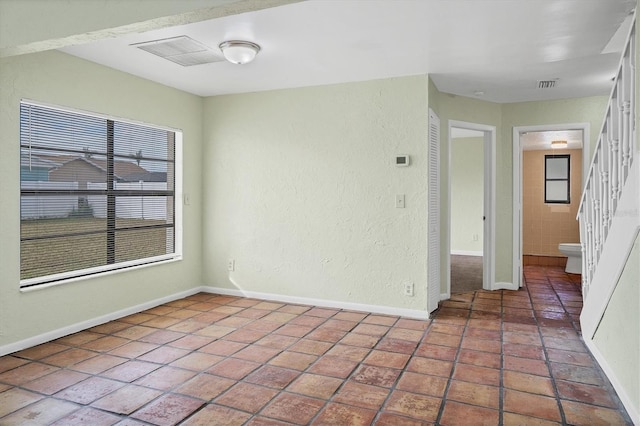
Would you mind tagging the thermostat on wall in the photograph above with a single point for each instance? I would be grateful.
(402, 160)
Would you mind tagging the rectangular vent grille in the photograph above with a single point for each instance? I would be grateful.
(547, 84)
(181, 50)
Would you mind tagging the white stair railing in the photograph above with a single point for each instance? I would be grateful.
(613, 157)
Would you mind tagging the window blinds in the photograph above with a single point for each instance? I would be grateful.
(96, 194)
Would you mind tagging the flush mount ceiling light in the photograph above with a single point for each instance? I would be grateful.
(238, 51)
(558, 144)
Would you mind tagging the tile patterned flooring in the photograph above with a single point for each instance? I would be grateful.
(487, 358)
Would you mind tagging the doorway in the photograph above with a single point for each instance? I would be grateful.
(470, 247)
(466, 178)
(537, 142)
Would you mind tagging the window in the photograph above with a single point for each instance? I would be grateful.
(96, 194)
(557, 188)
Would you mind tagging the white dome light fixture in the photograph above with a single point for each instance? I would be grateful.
(238, 51)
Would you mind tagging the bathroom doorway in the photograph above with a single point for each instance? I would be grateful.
(546, 202)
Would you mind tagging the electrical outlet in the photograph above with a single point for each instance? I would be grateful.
(408, 289)
(231, 266)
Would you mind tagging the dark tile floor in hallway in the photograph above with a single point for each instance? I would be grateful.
(487, 358)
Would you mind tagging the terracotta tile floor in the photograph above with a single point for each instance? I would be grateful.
(494, 358)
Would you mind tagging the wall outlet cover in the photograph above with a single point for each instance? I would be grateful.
(408, 289)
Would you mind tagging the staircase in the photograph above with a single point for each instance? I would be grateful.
(609, 216)
(608, 212)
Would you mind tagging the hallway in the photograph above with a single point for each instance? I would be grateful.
(504, 357)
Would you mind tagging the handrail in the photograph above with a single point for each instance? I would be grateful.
(630, 35)
(610, 165)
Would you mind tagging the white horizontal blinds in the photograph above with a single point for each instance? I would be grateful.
(95, 192)
(144, 164)
(59, 233)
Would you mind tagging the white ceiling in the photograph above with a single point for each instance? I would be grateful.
(497, 47)
(542, 140)
(531, 141)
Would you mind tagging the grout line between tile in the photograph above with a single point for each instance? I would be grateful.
(546, 287)
(454, 362)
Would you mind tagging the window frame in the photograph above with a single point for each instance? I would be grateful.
(547, 179)
(110, 268)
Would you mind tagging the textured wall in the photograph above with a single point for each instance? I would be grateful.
(544, 226)
(453, 107)
(60, 79)
(299, 189)
(618, 335)
(505, 117)
(580, 110)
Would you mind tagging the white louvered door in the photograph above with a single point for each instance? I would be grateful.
(433, 242)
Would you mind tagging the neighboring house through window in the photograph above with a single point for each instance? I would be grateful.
(96, 194)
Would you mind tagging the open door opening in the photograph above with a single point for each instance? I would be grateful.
(474, 204)
(466, 174)
(542, 221)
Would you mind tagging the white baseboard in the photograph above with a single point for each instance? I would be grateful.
(74, 328)
(445, 296)
(83, 325)
(466, 253)
(378, 309)
(504, 286)
(622, 394)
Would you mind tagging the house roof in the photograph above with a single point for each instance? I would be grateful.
(122, 169)
(27, 160)
(146, 177)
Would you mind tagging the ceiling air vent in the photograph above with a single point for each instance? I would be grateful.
(182, 50)
(547, 84)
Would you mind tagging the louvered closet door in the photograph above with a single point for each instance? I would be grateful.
(434, 213)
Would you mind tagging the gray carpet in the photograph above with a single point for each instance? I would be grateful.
(466, 273)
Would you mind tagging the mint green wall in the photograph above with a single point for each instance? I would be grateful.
(434, 97)
(505, 117)
(580, 110)
(300, 189)
(453, 107)
(588, 110)
(618, 335)
(467, 194)
(64, 80)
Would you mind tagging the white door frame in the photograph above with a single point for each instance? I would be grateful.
(489, 237)
(517, 181)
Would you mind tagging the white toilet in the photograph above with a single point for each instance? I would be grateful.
(573, 251)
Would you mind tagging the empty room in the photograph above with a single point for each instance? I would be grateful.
(255, 212)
